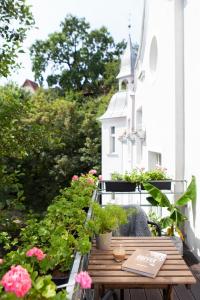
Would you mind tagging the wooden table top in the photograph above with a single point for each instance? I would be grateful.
(104, 270)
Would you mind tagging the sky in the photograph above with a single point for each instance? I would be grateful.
(48, 14)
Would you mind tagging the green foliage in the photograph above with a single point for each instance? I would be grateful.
(60, 234)
(16, 20)
(62, 231)
(117, 176)
(11, 190)
(18, 137)
(152, 216)
(44, 142)
(158, 173)
(176, 217)
(138, 175)
(106, 219)
(80, 58)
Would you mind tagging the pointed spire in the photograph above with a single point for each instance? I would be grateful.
(127, 60)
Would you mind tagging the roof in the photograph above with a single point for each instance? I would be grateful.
(31, 83)
(117, 107)
(128, 59)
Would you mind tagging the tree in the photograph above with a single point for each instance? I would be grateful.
(78, 56)
(15, 20)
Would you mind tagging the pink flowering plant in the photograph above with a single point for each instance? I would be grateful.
(17, 280)
(158, 173)
(22, 282)
(47, 245)
(36, 252)
(93, 172)
(75, 178)
(84, 280)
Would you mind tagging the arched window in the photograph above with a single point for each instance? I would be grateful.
(124, 85)
(112, 139)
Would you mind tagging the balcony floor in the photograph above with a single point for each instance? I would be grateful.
(180, 292)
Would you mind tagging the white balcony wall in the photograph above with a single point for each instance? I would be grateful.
(192, 109)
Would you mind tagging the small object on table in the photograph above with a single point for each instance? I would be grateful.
(119, 253)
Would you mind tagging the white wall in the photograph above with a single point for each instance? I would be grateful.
(156, 92)
(192, 110)
(112, 162)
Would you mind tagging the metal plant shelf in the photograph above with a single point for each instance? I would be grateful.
(102, 190)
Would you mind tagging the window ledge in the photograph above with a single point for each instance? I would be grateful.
(113, 154)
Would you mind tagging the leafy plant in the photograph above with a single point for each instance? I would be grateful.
(16, 20)
(138, 175)
(130, 177)
(176, 218)
(159, 173)
(152, 216)
(88, 54)
(117, 176)
(106, 219)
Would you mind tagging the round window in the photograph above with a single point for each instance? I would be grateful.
(153, 56)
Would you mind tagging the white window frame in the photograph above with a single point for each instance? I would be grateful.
(157, 159)
(112, 139)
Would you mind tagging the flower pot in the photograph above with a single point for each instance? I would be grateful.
(119, 186)
(60, 278)
(103, 241)
(159, 184)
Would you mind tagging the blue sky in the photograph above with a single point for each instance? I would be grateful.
(48, 14)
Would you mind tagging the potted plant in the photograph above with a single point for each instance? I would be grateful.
(121, 183)
(176, 218)
(104, 221)
(157, 177)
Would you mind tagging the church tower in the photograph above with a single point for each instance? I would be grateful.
(126, 74)
(118, 120)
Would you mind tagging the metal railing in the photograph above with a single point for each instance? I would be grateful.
(80, 263)
(142, 192)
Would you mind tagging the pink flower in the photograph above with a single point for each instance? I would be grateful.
(90, 180)
(100, 178)
(1, 261)
(93, 172)
(36, 252)
(158, 167)
(84, 279)
(75, 178)
(17, 281)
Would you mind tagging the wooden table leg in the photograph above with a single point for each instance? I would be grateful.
(96, 292)
(121, 294)
(167, 293)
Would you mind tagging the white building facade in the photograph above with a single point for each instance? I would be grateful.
(158, 120)
(118, 120)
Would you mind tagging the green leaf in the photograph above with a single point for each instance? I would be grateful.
(166, 222)
(177, 216)
(39, 283)
(152, 201)
(157, 195)
(49, 290)
(189, 195)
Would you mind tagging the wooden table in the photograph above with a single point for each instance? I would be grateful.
(107, 273)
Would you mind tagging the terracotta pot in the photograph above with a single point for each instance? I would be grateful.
(103, 241)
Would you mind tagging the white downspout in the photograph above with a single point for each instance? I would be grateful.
(179, 93)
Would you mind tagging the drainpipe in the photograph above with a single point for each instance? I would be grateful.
(179, 94)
